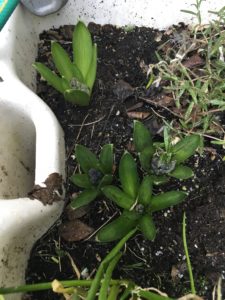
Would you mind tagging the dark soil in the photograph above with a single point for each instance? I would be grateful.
(161, 263)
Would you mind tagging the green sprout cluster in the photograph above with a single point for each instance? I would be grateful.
(77, 77)
(96, 173)
(134, 193)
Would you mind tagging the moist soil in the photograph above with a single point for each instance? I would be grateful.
(123, 55)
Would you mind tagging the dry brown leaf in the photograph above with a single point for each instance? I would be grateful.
(74, 214)
(74, 231)
(141, 115)
(193, 61)
(135, 106)
(174, 273)
(165, 101)
(123, 90)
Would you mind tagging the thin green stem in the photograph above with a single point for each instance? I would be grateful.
(114, 292)
(127, 291)
(100, 272)
(48, 285)
(108, 275)
(193, 290)
(43, 286)
(151, 296)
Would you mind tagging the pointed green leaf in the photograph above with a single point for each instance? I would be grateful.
(82, 48)
(49, 76)
(182, 172)
(84, 198)
(143, 294)
(119, 197)
(77, 73)
(86, 159)
(65, 84)
(185, 148)
(128, 175)
(81, 180)
(118, 228)
(77, 97)
(147, 227)
(165, 200)
(91, 75)
(158, 180)
(145, 157)
(145, 191)
(62, 61)
(106, 180)
(142, 136)
(106, 158)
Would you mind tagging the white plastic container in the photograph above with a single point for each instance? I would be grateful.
(29, 127)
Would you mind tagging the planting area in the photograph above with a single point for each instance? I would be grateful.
(125, 55)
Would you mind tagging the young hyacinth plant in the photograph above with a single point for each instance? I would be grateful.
(137, 201)
(169, 159)
(96, 173)
(77, 77)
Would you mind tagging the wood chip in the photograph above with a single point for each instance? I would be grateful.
(141, 115)
(74, 231)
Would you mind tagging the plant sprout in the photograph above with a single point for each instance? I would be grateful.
(77, 77)
(96, 173)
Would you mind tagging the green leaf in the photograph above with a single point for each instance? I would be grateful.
(81, 180)
(158, 180)
(145, 191)
(77, 73)
(147, 227)
(49, 76)
(142, 136)
(82, 48)
(189, 110)
(188, 12)
(91, 75)
(185, 148)
(128, 175)
(106, 158)
(62, 61)
(119, 197)
(86, 159)
(145, 157)
(65, 84)
(165, 200)
(77, 97)
(143, 294)
(84, 198)
(182, 172)
(106, 180)
(118, 228)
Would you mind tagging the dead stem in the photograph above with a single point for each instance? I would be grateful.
(160, 105)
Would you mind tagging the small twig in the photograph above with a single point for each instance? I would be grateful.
(90, 236)
(162, 106)
(88, 124)
(75, 268)
(211, 111)
(81, 127)
(106, 121)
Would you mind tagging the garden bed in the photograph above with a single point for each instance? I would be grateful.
(123, 59)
